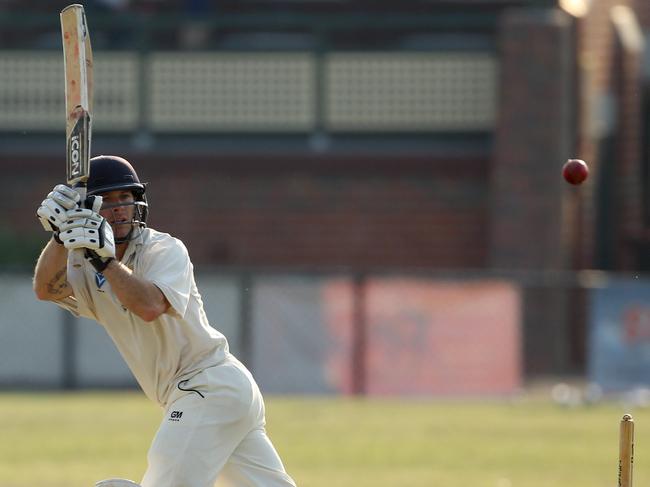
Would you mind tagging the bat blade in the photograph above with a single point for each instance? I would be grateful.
(78, 62)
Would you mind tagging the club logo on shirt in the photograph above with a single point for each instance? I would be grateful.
(175, 415)
(99, 279)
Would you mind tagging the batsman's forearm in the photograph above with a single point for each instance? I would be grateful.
(138, 295)
(50, 275)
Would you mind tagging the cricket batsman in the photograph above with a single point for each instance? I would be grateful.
(139, 284)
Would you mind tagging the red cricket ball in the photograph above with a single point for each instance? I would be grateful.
(575, 171)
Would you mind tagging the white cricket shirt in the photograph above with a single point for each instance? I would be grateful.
(176, 345)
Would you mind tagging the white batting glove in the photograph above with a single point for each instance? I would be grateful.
(93, 203)
(52, 210)
(87, 229)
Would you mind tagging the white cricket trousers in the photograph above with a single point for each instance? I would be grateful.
(213, 434)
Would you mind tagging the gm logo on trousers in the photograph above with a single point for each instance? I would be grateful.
(175, 415)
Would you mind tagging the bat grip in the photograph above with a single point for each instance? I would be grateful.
(78, 255)
(82, 189)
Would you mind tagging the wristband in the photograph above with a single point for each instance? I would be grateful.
(98, 263)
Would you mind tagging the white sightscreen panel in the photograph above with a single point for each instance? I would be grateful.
(99, 364)
(30, 336)
(302, 335)
(32, 91)
(222, 303)
(232, 92)
(412, 91)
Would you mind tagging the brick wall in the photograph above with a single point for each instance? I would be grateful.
(569, 88)
(534, 136)
(325, 216)
(609, 138)
(629, 175)
(301, 211)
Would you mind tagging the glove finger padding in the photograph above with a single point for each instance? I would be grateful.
(82, 213)
(92, 232)
(65, 196)
(51, 215)
(81, 217)
(93, 203)
(52, 210)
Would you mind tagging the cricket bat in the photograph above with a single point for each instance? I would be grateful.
(78, 63)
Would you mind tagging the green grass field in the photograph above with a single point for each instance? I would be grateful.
(72, 440)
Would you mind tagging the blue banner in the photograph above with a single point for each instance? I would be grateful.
(619, 338)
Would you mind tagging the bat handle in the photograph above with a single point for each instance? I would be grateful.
(78, 255)
(82, 189)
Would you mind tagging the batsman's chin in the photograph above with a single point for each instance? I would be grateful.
(121, 229)
(117, 224)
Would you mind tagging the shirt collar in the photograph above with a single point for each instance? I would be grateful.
(134, 245)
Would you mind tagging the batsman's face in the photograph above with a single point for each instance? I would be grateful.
(118, 209)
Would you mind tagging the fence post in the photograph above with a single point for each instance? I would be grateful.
(69, 351)
(245, 319)
(359, 335)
